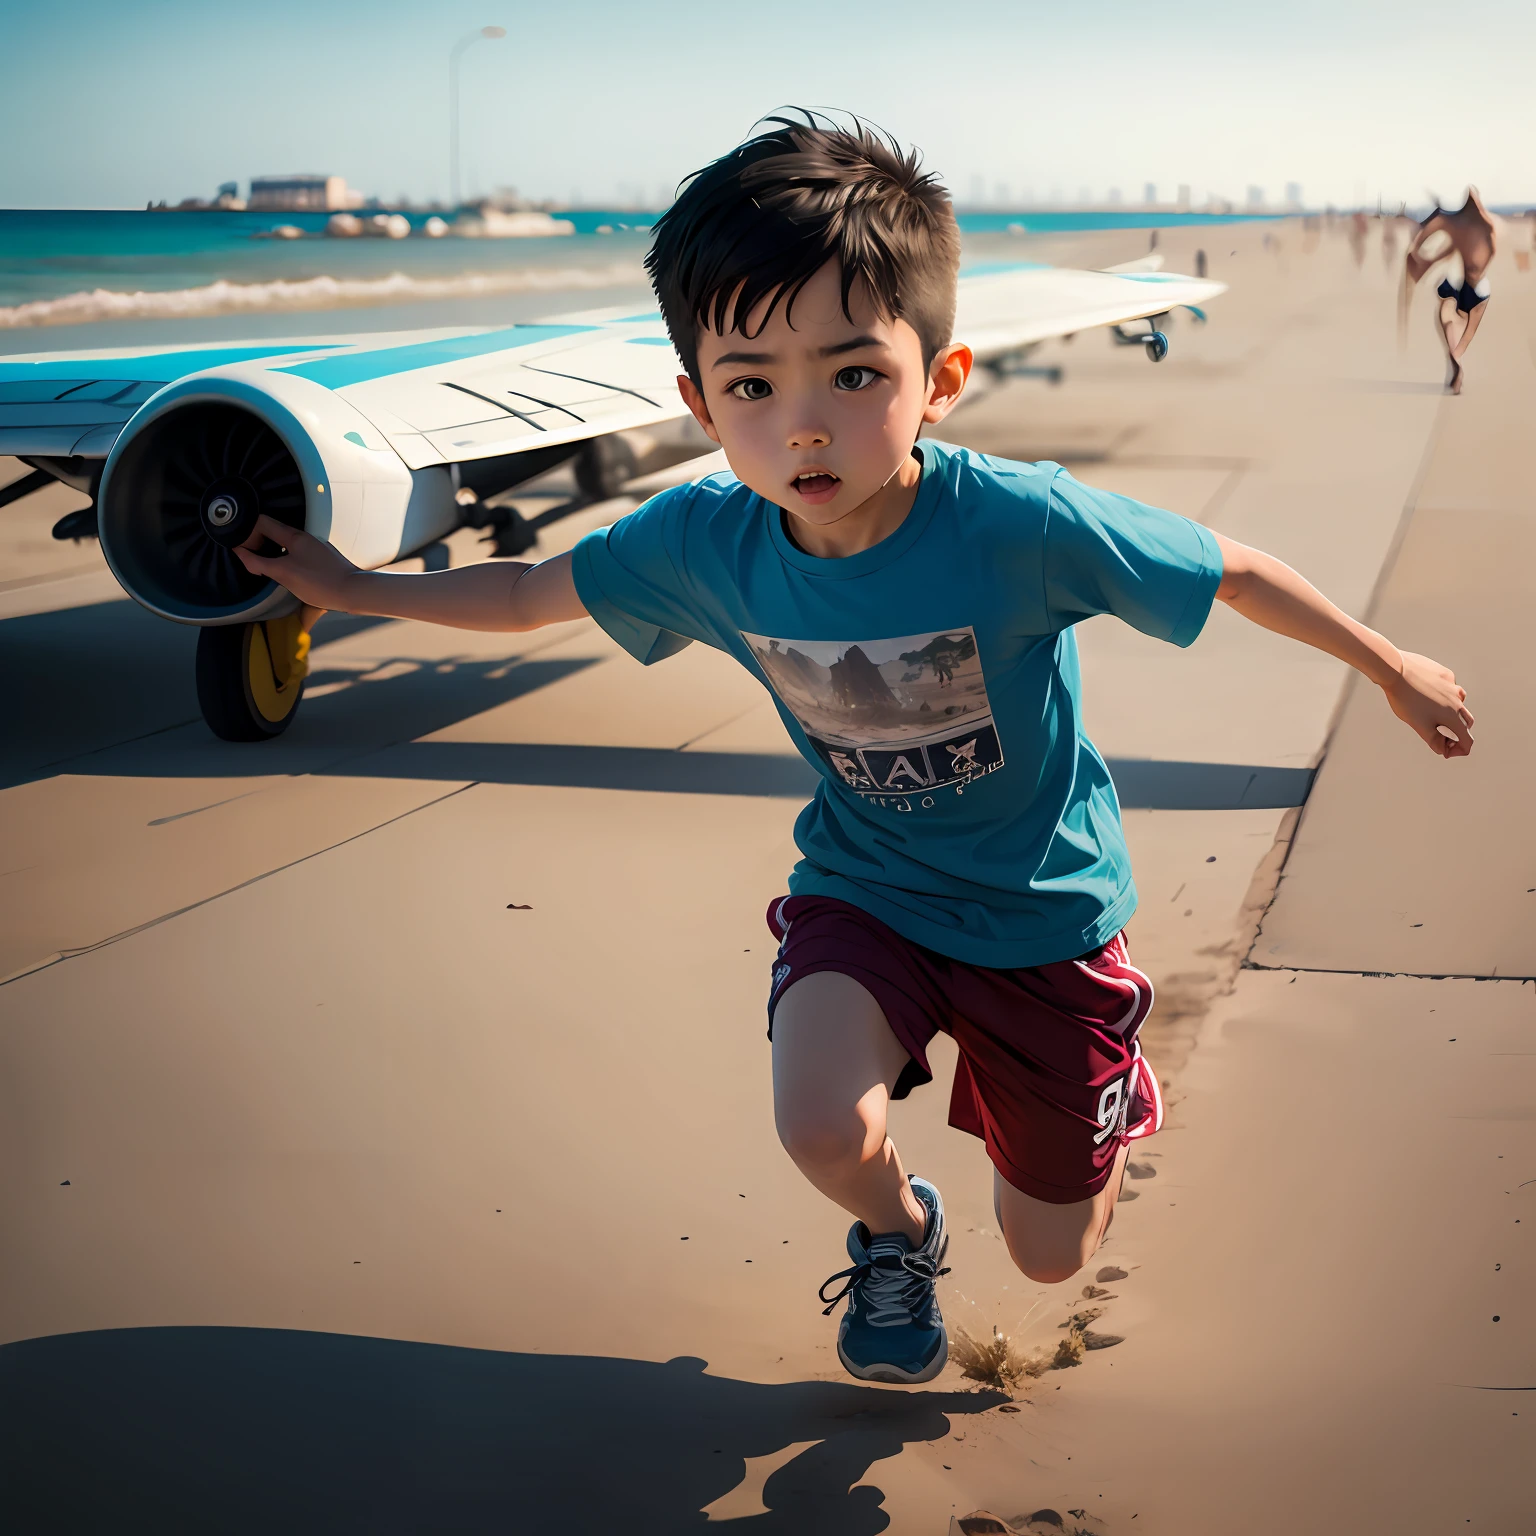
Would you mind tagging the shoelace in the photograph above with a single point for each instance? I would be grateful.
(892, 1292)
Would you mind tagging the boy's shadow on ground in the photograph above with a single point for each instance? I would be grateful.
(251, 1430)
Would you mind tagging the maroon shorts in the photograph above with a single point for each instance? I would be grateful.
(1050, 1074)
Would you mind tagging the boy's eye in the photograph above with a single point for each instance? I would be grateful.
(751, 389)
(855, 378)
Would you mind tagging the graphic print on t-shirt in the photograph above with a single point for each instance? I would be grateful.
(888, 716)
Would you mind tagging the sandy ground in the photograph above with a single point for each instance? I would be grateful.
(385, 1140)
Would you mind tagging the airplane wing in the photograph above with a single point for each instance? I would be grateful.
(1005, 306)
(444, 397)
(436, 397)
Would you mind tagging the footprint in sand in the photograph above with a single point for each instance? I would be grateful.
(1111, 1273)
(980, 1523)
(1082, 1318)
(1098, 1293)
(1092, 1340)
(1044, 1522)
(1141, 1170)
(1047, 1522)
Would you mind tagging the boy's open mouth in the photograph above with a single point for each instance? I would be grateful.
(816, 485)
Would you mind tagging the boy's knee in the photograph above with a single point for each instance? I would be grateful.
(1048, 1269)
(1051, 1256)
(823, 1141)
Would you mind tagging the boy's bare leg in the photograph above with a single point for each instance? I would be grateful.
(1052, 1242)
(835, 1062)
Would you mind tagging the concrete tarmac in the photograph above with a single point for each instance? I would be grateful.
(387, 1140)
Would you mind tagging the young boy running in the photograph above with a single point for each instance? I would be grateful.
(909, 605)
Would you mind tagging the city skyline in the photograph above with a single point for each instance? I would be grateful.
(1028, 105)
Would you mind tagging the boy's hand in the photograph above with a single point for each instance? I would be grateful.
(1426, 699)
(315, 572)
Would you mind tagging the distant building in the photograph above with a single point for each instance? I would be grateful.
(1255, 197)
(1183, 198)
(1293, 194)
(301, 193)
(1149, 194)
(228, 197)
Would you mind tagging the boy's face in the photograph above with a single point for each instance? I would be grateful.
(820, 418)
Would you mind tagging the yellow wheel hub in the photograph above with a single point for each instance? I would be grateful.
(277, 662)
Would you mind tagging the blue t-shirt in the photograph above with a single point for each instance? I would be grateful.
(931, 679)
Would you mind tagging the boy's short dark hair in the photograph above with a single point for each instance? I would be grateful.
(761, 221)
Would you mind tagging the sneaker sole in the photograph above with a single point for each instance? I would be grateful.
(893, 1375)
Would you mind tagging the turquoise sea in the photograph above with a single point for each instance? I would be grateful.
(110, 278)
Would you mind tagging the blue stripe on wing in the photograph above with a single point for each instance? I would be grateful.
(151, 365)
(360, 367)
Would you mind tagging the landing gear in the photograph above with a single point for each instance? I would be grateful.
(604, 467)
(77, 525)
(250, 677)
(1153, 339)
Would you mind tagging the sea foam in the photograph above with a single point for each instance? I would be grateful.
(225, 298)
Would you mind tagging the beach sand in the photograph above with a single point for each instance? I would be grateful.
(387, 1139)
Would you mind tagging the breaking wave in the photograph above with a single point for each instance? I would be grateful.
(226, 298)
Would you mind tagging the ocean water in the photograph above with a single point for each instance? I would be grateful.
(110, 278)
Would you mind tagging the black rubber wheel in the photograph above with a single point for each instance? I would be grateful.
(604, 467)
(238, 688)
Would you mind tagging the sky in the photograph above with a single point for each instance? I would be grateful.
(114, 104)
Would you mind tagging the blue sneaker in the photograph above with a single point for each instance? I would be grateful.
(893, 1330)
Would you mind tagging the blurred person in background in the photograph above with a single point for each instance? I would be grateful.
(1471, 233)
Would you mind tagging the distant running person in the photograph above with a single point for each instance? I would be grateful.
(1473, 235)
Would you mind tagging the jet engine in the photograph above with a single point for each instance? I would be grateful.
(183, 487)
(204, 458)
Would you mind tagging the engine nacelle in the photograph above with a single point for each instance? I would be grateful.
(205, 456)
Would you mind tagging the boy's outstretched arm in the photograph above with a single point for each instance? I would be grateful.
(494, 595)
(1423, 694)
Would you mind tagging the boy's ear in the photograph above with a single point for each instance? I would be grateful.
(693, 398)
(950, 369)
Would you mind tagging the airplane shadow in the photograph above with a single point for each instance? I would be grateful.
(245, 1430)
(107, 688)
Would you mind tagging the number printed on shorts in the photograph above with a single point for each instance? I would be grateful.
(1114, 1104)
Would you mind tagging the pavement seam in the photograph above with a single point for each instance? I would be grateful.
(1389, 561)
(20, 583)
(1342, 970)
(1346, 692)
(192, 906)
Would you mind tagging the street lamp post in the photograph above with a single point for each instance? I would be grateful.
(467, 41)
